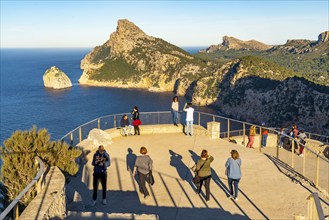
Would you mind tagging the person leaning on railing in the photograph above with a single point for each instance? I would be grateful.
(251, 137)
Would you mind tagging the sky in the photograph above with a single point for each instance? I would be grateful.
(58, 24)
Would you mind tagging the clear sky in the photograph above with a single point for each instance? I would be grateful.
(183, 23)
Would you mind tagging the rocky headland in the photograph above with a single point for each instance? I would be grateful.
(56, 79)
(247, 87)
(231, 43)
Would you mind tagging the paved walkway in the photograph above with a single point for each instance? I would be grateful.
(265, 192)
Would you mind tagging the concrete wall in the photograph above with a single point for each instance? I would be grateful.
(51, 201)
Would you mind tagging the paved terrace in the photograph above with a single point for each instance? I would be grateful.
(265, 192)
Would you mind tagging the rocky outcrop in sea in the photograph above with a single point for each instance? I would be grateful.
(56, 79)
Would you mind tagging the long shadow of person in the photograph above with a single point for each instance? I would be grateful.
(219, 183)
(182, 170)
(130, 160)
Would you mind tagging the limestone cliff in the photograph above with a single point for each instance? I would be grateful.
(231, 43)
(56, 79)
(256, 90)
(246, 87)
(321, 46)
(132, 59)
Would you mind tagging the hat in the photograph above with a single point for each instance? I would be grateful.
(263, 123)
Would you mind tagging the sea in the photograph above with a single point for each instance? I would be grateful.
(26, 102)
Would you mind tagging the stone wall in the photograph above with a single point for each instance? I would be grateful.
(51, 201)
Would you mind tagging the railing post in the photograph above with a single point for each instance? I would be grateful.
(228, 128)
(158, 118)
(260, 139)
(310, 207)
(213, 118)
(304, 161)
(292, 153)
(80, 134)
(317, 171)
(199, 118)
(114, 121)
(244, 134)
(16, 212)
(71, 137)
(277, 147)
(99, 123)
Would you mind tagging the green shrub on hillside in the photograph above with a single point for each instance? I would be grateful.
(115, 68)
(18, 157)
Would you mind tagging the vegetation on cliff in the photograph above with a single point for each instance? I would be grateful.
(224, 76)
(18, 160)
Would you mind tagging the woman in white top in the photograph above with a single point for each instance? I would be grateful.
(189, 118)
(174, 110)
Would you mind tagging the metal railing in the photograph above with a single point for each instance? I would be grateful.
(314, 209)
(229, 128)
(35, 182)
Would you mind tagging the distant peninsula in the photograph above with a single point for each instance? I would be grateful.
(247, 80)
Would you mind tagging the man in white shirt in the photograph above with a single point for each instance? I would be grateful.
(189, 118)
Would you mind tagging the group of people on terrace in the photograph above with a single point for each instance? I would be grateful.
(298, 136)
(127, 126)
(143, 167)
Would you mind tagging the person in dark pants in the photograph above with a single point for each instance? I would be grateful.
(143, 166)
(204, 172)
(136, 121)
(101, 160)
(233, 172)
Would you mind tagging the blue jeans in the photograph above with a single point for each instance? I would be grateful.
(189, 127)
(264, 138)
(234, 182)
(175, 117)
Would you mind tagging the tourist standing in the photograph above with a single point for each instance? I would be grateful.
(101, 160)
(295, 133)
(143, 166)
(189, 118)
(251, 137)
(302, 141)
(203, 170)
(174, 110)
(233, 172)
(264, 135)
(125, 125)
(281, 137)
(136, 121)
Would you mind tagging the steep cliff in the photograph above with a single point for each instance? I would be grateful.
(231, 43)
(132, 59)
(255, 90)
(242, 85)
(56, 79)
(310, 58)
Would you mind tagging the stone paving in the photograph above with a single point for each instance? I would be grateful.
(265, 192)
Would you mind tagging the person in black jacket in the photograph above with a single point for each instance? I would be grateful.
(136, 121)
(101, 160)
(125, 124)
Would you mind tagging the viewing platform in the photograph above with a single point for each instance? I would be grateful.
(276, 183)
(265, 191)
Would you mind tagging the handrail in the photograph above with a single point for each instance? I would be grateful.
(112, 120)
(314, 202)
(14, 204)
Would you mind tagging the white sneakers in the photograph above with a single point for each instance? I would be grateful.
(93, 203)
(301, 155)
(236, 199)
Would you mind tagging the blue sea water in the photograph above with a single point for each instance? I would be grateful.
(26, 102)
